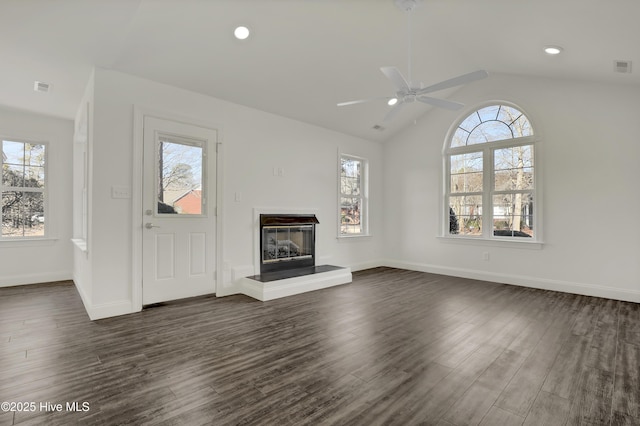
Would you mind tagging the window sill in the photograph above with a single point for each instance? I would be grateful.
(353, 237)
(28, 242)
(80, 244)
(528, 245)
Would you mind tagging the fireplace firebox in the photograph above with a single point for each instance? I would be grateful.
(287, 241)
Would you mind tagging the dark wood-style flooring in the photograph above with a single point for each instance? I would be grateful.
(393, 348)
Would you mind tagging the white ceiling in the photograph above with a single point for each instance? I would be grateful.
(304, 56)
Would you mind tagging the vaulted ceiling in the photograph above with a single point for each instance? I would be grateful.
(304, 56)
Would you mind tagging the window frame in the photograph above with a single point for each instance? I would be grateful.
(487, 151)
(364, 196)
(44, 190)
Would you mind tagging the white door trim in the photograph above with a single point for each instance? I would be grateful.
(139, 112)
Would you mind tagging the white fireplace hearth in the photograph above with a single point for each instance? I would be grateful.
(308, 279)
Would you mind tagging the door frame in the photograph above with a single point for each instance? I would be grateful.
(139, 114)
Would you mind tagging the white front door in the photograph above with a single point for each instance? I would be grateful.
(178, 218)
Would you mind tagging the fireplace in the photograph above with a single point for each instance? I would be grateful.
(285, 256)
(287, 241)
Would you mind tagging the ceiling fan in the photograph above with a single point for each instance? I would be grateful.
(408, 91)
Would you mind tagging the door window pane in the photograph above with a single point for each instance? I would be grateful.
(180, 177)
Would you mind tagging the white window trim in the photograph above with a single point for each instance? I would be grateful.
(364, 215)
(48, 235)
(487, 238)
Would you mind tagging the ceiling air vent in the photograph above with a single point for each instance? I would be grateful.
(378, 128)
(40, 86)
(622, 66)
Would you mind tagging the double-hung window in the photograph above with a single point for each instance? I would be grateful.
(353, 199)
(24, 211)
(490, 182)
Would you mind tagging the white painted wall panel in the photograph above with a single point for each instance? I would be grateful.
(28, 263)
(588, 163)
(197, 253)
(165, 245)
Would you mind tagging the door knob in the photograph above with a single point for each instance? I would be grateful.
(150, 225)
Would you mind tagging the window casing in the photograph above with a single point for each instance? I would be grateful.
(490, 177)
(353, 196)
(23, 187)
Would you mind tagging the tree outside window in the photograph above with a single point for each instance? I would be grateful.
(23, 189)
(353, 200)
(490, 190)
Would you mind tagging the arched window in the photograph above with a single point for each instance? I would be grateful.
(490, 183)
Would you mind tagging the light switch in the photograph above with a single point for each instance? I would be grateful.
(120, 192)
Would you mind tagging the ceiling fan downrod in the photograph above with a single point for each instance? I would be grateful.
(408, 6)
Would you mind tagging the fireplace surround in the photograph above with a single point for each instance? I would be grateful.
(287, 241)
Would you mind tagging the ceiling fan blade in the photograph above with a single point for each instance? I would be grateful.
(455, 81)
(441, 103)
(393, 111)
(361, 101)
(396, 78)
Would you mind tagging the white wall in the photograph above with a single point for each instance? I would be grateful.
(254, 143)
(83, 145)
(589, 165)
(51, 260)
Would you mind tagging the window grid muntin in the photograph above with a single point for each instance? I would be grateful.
(4, 188)
(483, 120)
(358, 196)
(488, 148)
(530, 189)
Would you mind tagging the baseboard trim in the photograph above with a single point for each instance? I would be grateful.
(523, 281)
(111, 309)
(104, 310)
(366, 265)
(36, 278)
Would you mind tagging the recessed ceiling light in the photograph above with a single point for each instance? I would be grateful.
(392, 101)
(553, 50)
(241, 33)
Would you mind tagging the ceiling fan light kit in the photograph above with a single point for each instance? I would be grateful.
(553, 50)
(408, 91)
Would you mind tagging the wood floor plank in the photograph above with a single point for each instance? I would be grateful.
(602, 351)
(476, 402)
(448, 391)
(394, 347)
(592, 404)
(629, 322)
(548, 410)
(498, 416)
(626, 391)
(568, 367)
(520, 393)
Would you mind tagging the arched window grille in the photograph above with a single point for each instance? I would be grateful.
(490, 183)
